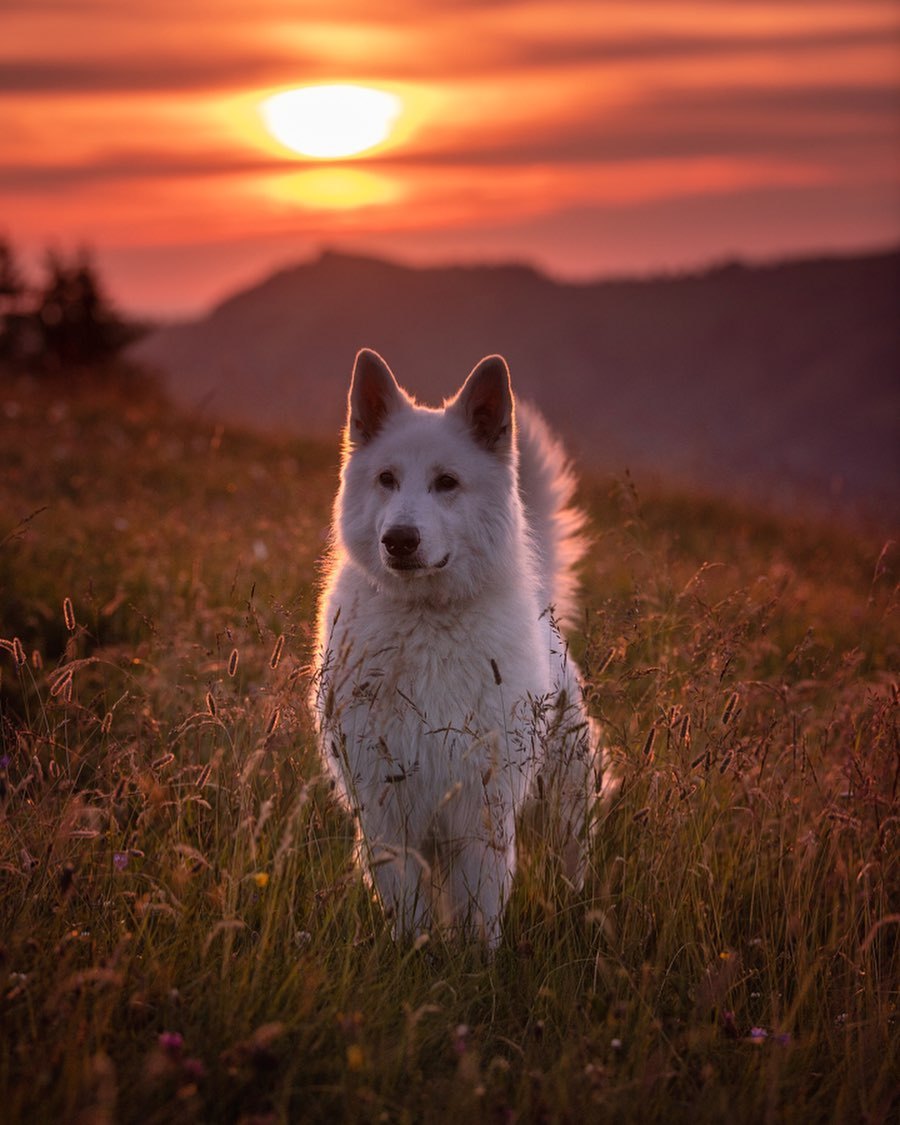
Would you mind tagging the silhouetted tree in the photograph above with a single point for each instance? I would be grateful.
(77, 326)
(13, 315)
(67, 324)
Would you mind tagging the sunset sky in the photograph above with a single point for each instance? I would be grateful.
(587, 137)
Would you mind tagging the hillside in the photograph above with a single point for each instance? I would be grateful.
(779, 381)
(183, 934)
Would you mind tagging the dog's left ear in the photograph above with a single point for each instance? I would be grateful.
(485, 401)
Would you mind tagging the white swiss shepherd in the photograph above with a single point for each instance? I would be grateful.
(444, 696)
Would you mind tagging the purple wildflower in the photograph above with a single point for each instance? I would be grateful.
(194, 1069)
(461, 1039)
(171, 1043)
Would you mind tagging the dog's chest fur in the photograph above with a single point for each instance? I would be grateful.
(412, 673)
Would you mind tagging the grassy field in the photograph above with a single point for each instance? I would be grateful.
(182, 935)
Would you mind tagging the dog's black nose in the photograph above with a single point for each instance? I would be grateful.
(401, 542)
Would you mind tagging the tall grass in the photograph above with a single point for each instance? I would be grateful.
(183, 936)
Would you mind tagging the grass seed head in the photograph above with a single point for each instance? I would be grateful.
(606, 661)
(62, 684)
(728, 713)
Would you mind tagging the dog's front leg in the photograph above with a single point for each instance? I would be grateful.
(402, 878)
(480, 869)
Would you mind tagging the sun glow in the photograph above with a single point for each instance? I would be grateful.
(334, 189)
(329, 122)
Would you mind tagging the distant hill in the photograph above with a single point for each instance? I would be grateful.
(779, 380)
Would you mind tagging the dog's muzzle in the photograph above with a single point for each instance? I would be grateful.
(401, 544)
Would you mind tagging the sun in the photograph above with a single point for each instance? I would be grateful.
(328, 122)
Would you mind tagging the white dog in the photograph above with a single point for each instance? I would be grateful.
(445, 698)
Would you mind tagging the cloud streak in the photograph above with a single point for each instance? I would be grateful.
(166, 70)
(553, 116)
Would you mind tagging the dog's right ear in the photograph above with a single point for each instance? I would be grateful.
(374, 395)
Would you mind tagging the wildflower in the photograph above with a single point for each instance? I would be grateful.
(194, 1069)
(461, 1039)
(120, 860)
(758, 1035)
(261, 878)
(171, 1043)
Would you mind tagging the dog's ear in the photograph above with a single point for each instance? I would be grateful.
(485, 401)
(374, 395)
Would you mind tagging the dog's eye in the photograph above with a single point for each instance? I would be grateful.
(387, 479)
(445, 483)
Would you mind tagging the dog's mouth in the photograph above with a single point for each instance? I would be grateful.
(415, 567)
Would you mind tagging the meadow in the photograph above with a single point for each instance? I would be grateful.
(183, 936)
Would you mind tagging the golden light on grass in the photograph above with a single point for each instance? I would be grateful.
(224, 868)
(331, 122)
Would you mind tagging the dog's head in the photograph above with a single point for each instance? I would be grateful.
(429, 504)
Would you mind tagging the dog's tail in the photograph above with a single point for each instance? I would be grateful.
(547, 486)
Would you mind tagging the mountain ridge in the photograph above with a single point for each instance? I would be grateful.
(782, 378)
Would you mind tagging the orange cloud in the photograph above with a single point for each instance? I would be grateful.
(527, 125)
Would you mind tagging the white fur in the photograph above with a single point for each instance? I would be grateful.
(445, 699)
